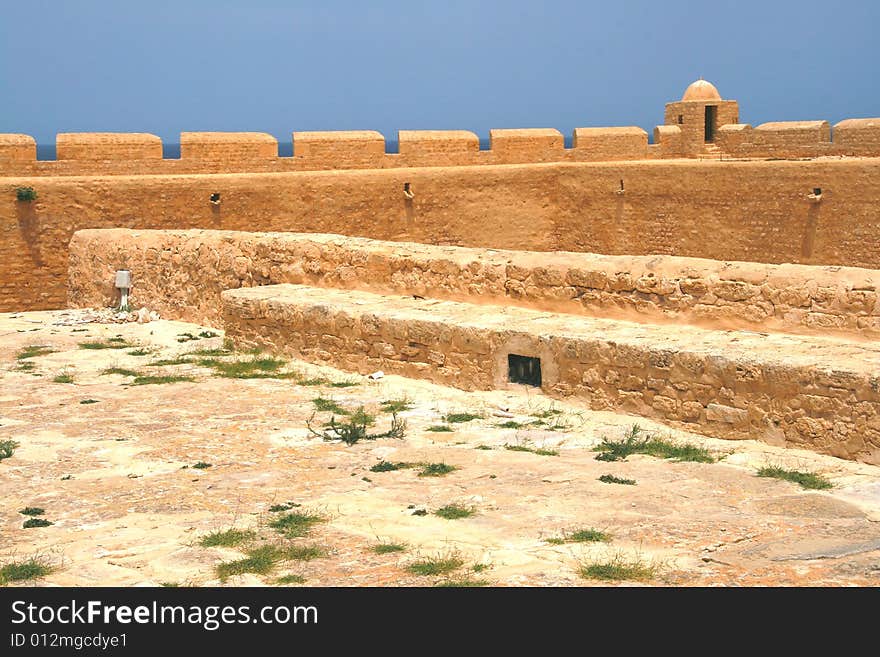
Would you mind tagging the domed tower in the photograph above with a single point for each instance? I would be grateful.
(699, 114)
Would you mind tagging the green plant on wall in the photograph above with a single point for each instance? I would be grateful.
(25, 194)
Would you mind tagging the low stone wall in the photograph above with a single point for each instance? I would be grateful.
(182, 273)
(811, 392)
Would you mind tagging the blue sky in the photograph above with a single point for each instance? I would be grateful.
(267, 65)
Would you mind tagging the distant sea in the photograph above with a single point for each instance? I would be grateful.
(172, 151)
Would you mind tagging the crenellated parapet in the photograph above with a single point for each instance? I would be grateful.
(257, 152)
(788, 139)
(17, 149)
(700, 125)
(219, 147)
(98, 146)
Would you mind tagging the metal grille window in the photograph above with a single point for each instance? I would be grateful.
(524, 369)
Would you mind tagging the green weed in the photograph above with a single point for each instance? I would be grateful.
(296, 524)
(455, 511)
(638, 442)
(611, 479)
(227, 538)
(7, 448)
(23, 571)
(809, 480)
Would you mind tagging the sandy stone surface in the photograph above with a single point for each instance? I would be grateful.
(116, 479)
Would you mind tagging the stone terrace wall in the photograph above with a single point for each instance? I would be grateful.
(811, 392)
(182, 273)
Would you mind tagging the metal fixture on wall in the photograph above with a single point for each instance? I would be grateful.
(123, 284)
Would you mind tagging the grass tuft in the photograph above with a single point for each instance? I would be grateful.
(388, 548)
(158, 380)
(122, 371)
(454, 418)
(7, 448)
(112, 343)
(464, 582)
(36, 522)
(305, 552)
(436, 469)
(396, 405)
(534, 450)
(290, 579)
(441, 564)
(391, 466)
(588, 535)
(177, 360)
(278, 508)
(636, 441)
(23, 571)
(64, 377)
(325, 405)
(258, 367)
(313, 382)
(440, 428)
(32, 511)
(227, 538)
(201, 465)
(809, 480)
(34, 350)
(259, 561)
(455, 511)
(618, 568)
(296, 524)
(548, 412)
(611, 479)
(209, 353)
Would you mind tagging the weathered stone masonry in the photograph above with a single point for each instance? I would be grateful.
(611, 192)
(812, 392)
(182, 273)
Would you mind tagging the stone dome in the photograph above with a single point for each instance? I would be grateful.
(701, 90)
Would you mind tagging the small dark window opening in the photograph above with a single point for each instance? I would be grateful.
(406, 187)
(621, 185)
(681, 119)
(524, 369)
(215, 197)
(817, 191)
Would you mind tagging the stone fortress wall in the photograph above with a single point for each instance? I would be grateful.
(611, 192)
(753, 211)
(723, 278)
(182, 274)
(803, 373)
(102, 154)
